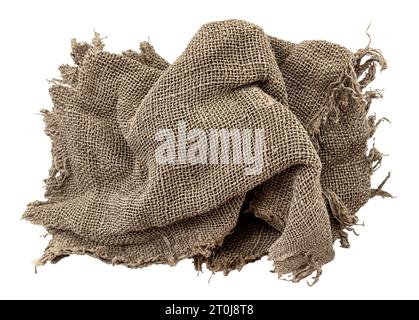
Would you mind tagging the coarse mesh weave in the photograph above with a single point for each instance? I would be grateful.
(108, 197)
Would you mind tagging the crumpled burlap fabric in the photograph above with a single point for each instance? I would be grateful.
(108, 197)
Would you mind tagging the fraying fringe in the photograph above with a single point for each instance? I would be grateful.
(348, 90)
(80, 49)
(339, 211)
(373, 124)
(341, 214)
(365, 70)
(59, 170)
(375, 158)
(216, 263)
(370, 95)
(379, 190)
(69, 74)
(344, 239)
(147, 56)
(341, 93)
(198, 261)
(56, 252)
(97, 42)
(312, 265)
(368, 67)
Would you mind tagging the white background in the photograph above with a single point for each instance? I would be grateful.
(35, 39)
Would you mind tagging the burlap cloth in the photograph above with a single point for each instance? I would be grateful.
(108, 197)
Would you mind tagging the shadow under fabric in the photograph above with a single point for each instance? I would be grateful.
(108, 197)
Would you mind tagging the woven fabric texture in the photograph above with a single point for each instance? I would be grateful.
(108, 197)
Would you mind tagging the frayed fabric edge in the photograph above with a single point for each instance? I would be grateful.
(345, 219)
(348, 89)
(224, 265)
(56, 251)
(311, 264)
(60, 170)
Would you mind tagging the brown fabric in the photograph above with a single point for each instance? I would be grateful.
(108, 197)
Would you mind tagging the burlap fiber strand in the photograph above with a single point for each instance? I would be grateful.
(108, 197)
